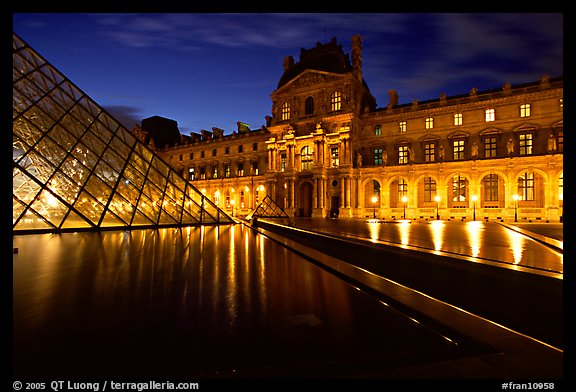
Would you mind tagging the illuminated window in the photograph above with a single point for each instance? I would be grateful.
(457, 118)
(306, 158)
(378, 130)
(429, 152)
(526, 186)
(283, 162)
(491, 187)
(458, 188)
(429, 188)
(490, 147)
(285, 111)
(490, 115)
(458, 149)
(255, 170)
(525, 144)
(240, 169)
(215, 172)
(309, 106)
(336, 101)
(560, 141)
(378, 156)
(402, 154)
(335, 161)
(402, 126)
(402, 188)
(525, 110)
(191, 174)
(376, 186)
(202, 173)
(429, 123)
(227, 171)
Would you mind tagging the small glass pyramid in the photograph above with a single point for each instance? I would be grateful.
(76, 168)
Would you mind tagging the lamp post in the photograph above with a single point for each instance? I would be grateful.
(474, 198)
(516, 198)
(374, 200)
(437, 199)
(404, 200)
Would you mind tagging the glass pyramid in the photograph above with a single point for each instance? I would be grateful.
(76, 168)
(268, 209)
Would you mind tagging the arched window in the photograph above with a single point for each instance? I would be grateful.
(285, 111)
(306, 156)
(336, 101)
(309, 105)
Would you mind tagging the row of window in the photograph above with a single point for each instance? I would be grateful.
(215, 152)
(214, 173)
(309, 106)
(489, 116)
(433, 152)
(490, 187)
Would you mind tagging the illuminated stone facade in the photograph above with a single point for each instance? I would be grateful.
(328, 150)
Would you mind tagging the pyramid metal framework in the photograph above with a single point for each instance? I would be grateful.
(268, 209)
(77, 168)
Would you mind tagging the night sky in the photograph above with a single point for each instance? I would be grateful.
(209, 70)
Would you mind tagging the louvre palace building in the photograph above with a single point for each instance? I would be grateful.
(328, 150)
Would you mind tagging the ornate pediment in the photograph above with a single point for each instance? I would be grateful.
(310, 78)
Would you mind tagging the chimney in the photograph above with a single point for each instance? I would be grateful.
(288, 62)
(393, 98)
(357, 56)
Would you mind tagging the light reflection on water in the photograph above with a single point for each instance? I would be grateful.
(194, 291)
(474, 229)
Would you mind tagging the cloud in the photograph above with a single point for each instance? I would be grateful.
(128, 116)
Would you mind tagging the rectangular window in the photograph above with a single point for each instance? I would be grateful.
(215, 172)
(429, 123)
(240, 170)
(402, 126)
(255, 147)
(429, 189)
(491, 187)
(490, 115)
(202, 154)
(525, 110)
(336, 101)
(378, 156)
(378, 130)
(526, 186)
(402, 155)
(254, 168)
(227, 150)
(202, 173)
(181, 157)
(214, 152)
(240, 148)
(283, 162)
(191, 174)
(429, 152)
(561, 141)
(335, 161)
(458, 188)
(402, 188)
(191, 155)
(285, 111)
(458, 149)
(227, 171)
(457, 118)
(525, 144)
(490, 147)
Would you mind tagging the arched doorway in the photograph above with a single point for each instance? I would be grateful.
(304, 208)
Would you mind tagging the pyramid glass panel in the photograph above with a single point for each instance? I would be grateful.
(75, 167)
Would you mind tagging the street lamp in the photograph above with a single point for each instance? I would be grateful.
(374, 200)
(404, 200)
(437, 199)
(516, 198)
(474, 198)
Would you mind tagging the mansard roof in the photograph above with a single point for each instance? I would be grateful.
(328, 57)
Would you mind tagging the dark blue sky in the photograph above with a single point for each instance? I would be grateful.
(209, 70)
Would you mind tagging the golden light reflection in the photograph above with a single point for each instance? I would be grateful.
(373, 229)
(474, 231)
(438, 227)
(517, 243)
(404, 227)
